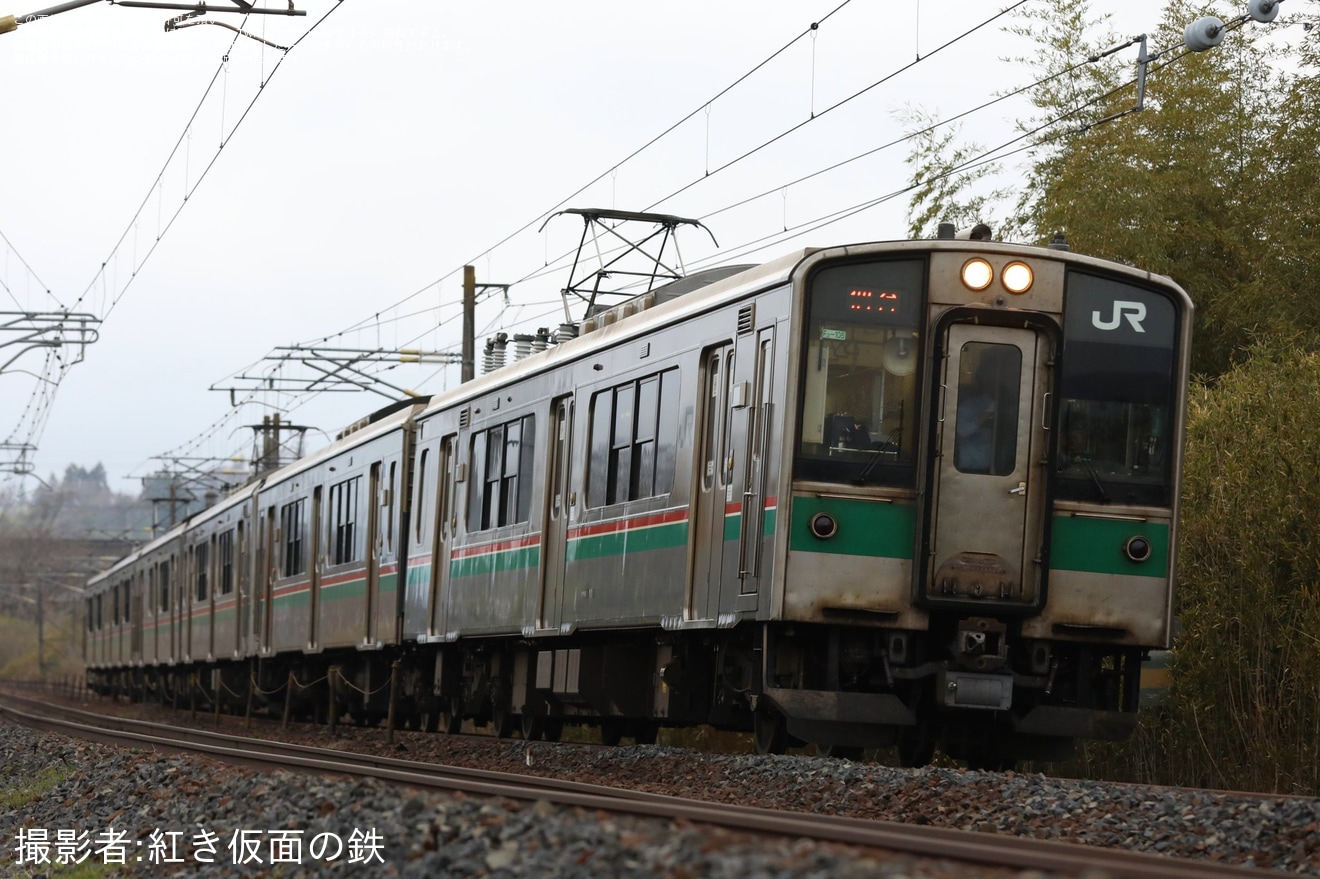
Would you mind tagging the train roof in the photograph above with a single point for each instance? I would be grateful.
(726, 289)
(346, 441)
(688, 296)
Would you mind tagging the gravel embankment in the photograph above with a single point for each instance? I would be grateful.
(89, 788)
(428, 834)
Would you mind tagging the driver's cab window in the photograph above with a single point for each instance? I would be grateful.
(859, 412)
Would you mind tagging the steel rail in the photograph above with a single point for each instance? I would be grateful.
(960, 845)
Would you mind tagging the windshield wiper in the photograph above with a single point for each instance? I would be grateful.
(1095, 477)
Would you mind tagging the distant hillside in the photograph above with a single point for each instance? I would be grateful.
(77, 506)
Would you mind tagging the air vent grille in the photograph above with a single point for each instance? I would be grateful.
(746, 319)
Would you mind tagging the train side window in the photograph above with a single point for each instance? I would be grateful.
(201, 562)
(389, 508)
(419, 508)
(503, 459)
(490, 488)
(477, 481)
(620, 477)
(634, 440)
(714, 413)
(526, 469)
(343, 521)
(225, 547)
(291, 532)
(164, 583)
(602, 422)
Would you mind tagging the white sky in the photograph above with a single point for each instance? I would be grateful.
(399, 141)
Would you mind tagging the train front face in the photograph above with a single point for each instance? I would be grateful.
(984, 495)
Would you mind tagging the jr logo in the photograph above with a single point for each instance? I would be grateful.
(1134, 311)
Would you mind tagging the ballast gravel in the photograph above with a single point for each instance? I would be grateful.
(385, 832)
(64, 788)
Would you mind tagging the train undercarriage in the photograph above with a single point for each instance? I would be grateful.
(968, 687)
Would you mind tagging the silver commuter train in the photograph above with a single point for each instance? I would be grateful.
(918, 493)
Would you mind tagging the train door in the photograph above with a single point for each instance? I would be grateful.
(150, 644)
(208, 603)
(172, 583)
(314, 572)
(189, 598)
(755, 447)
(446, 525)
(267, 566)
(372, 599)
(135, 617)
(243, 613)
(554, 533)
(989, 477)
(713, 482)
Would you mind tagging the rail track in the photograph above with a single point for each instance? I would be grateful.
(928, 841)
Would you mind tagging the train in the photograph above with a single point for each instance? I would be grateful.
(916, 494)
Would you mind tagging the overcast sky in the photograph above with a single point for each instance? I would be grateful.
(398, 141)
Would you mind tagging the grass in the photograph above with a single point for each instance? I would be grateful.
(29, 792)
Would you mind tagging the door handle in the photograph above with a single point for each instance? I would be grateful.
(1021, 489)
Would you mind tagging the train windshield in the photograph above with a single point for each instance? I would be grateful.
(1117, 393)
(859, 412)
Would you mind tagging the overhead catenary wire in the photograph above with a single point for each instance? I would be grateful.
(14, 250)
(752, 246)
(700, 108)
(554, 265)
(814, 116)
(35, 414)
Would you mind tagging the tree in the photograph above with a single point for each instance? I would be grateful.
(1212, 183)
(1247, 694)
(944, 192)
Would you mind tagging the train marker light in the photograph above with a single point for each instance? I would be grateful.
(824, 526)
(977, 274)
(1018, 277)
(1137, 549)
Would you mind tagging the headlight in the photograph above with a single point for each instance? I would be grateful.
(1018, 277)
(977, 274)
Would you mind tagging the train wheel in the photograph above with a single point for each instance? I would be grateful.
(916, 746)
(533, 727)
(645, 732)
(770, 730)
(991, 763)
(611, 731)
(449, 718)
(501, 718)
(554, 729)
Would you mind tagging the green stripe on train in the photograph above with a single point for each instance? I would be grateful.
(865, 527)
(635, 540)
(348, 590)
(496, 562)
(1096, 546)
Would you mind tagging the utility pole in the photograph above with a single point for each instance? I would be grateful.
(469, 323)
(41, 632)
